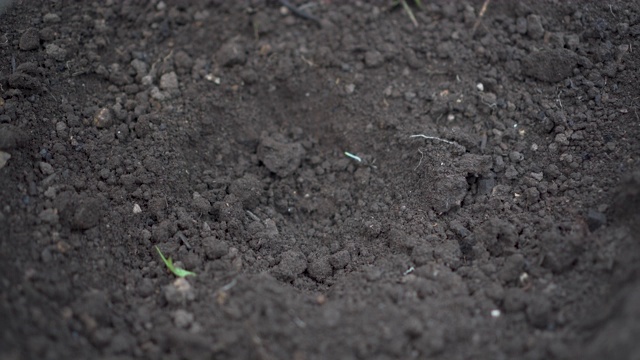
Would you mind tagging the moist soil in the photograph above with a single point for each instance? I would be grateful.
(345, 185)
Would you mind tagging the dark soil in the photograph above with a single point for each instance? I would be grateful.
(217, 130)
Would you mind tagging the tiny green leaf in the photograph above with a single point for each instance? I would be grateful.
(179, 272)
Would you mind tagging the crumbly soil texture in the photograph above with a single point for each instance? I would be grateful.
(346, 185)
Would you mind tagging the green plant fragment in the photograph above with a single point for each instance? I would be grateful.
(179, 272)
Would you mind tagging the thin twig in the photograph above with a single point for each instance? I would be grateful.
(184, 240)
(480, 15)
(419, 162)
(439, 139)
(253, 216)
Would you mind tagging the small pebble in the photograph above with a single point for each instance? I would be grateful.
(538, 176)
(169, 81)
(350, 88)
(51, 18)
(46, 168)
(373, 58)
(516, 157)
(103, 118)
(4, 158)
(137, 209)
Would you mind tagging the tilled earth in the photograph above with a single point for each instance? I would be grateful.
(346, 186)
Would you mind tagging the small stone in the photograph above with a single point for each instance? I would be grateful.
(4, 158)
(51, 18)
(137, 209)
(103, 118)
(30, 40)
(350, 88)
(146, 80)
(538, 176)
(46, 168)
(373, 58)
(169, 81)
(516, 157)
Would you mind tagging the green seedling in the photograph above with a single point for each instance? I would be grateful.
(179, 272)
(407, 9)
(354, 157)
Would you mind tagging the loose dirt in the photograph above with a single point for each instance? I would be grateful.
(217, 130)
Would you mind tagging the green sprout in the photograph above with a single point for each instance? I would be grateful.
(179, 272)
(408, 10)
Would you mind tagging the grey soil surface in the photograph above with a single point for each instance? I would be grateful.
(217, 131)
